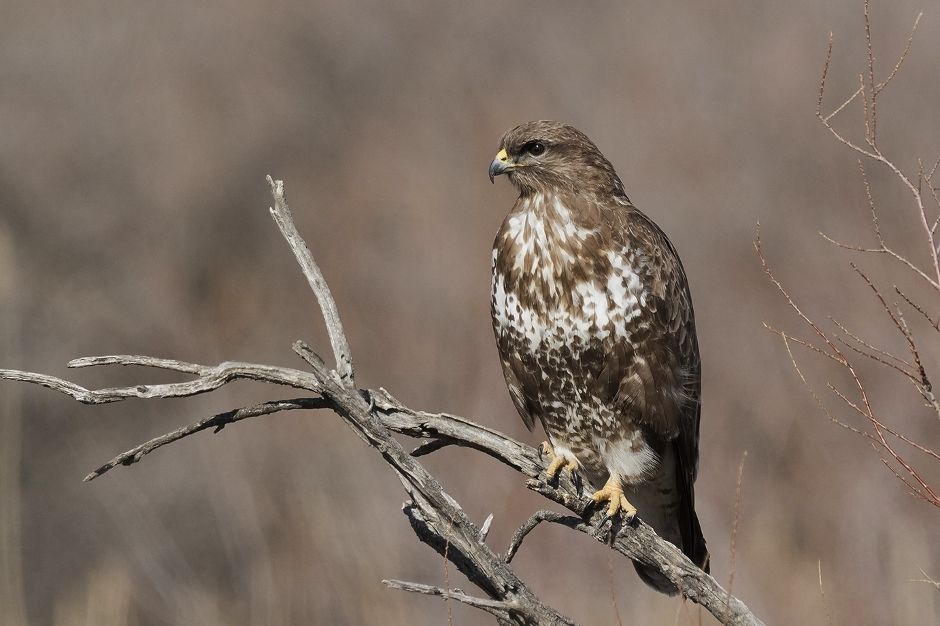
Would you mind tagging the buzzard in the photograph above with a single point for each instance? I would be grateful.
(594, 325)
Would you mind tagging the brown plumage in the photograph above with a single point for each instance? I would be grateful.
(594, 325)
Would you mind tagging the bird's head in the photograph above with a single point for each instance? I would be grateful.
(548, 157)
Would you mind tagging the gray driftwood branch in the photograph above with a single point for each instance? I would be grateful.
(437, 519)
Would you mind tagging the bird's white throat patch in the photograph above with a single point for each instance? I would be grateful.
(543, 225)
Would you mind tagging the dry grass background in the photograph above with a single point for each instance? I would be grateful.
(134, 138)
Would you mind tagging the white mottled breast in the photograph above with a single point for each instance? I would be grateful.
(547, 245)
(562, 297)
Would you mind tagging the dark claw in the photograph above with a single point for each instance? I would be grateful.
(578, 482)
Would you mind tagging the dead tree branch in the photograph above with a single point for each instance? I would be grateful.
(502, 610)
(437, 519)
(218, 422)
(285, 222)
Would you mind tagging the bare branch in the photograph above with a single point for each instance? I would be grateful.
(822, 84)
(936, 163)
(209, 379)
(934, 323)
(849, 246)
(734, 523)
(285, 222)
(822, 593)
(218, 422)
(874, 355)
(871, 121)
(882, 250)
(496, 607)
(534, 520)
(825, 409)
(803, 343)
(172, 365)
(927, 579)
(871, 202)
(907, 49)
(921, 380)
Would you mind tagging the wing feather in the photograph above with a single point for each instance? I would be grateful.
(661, 386)
(525, 404)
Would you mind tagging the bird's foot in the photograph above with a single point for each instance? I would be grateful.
(561, 460)
(612, 493)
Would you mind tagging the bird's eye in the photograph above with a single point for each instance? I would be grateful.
(535, 148)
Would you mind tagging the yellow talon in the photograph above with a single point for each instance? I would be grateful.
(613, 494)
(559, 461)
(554, 466)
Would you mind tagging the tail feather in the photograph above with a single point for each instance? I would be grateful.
(695, 550)
(669, 502)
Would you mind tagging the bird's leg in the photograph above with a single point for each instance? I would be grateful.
(612, 493)
(561, 460)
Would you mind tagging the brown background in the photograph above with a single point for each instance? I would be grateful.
(134, 140)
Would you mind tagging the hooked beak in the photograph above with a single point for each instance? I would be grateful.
(499, 165)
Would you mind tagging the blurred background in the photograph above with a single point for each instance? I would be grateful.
(134, 140)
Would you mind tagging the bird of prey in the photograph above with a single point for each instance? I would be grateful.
(594, 325)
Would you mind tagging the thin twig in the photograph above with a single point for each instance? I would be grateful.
(218, 422)
(872, 137)
(612, 590)
(868, 345)
(804, 343)
(935, 324)
(495, 607)
(907, 48)
(927, 579)
(734, 522)
(529, 525)
(874, 357)
(822, 593)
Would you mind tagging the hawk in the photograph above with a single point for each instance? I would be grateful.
(595, 330)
